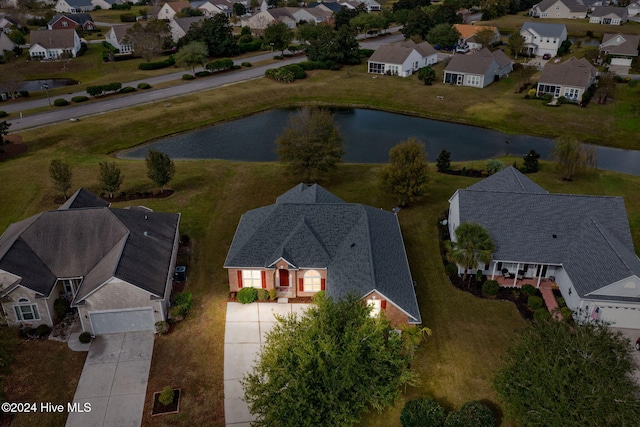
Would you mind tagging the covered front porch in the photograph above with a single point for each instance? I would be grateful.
(515, 274)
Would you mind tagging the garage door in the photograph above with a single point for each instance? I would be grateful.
(122, 321)
(621, 61)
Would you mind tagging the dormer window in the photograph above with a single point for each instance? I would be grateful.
(64, 24)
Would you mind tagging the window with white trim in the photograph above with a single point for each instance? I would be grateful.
(376, 68)
(473, 80)
(26, 311)
(64, 24)
(312, 281)
(376, 307)
(251, 279)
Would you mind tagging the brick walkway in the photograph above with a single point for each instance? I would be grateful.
(550, 301)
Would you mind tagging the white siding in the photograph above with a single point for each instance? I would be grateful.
(12, 300)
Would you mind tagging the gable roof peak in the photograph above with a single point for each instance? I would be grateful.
(304, 193)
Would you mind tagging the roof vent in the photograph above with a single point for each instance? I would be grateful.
(555, 236)
(353, 244)
(145, 234)
(146, 217)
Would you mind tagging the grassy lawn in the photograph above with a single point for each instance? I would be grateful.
(455, 364)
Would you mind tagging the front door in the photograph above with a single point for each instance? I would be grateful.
(284, 277)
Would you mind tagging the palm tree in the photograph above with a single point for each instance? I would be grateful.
(473, 245)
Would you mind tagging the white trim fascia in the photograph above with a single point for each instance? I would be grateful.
(386, 298)
(283, 259)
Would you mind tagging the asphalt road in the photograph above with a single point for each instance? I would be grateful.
(112, 103)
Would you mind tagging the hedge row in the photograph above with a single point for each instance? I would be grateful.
(287, 73)
(169, 62)
(219, 64)
(102, 89)
(250, 47)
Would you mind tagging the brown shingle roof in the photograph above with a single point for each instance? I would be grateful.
(573, 72)
(467, 31)
(621, 44)
(58, 39)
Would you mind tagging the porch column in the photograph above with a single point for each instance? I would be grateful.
(515, 281)
(493, 272)
(539, 276)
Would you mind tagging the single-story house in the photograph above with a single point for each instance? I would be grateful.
(402, 59)
(609, 15)
(6, 43)
(170, 9)
(541, 38)
(114, 265)
(311, 241)
(74, 6)
(180, 26)
(6, 24)
(621, 48)
(212, 7)
(116, 38)
(467, 39)
(570, 79)
(478, 69)
(582, 243)
(288, 15)
(633, 8)
(82, 21)
(329, 6)
(559, 9)
(48, 44)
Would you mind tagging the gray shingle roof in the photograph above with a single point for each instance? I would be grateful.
(476, 63)
(95, 243)
(601, 11)
(58, 39)
(573, 72)
(391, 54)
(361, 247)
(83, 198)
(508, 180)
(79, 3)
(186, 23)
(620, 44)
(580, 232)
(572, 5)
(79, 18)
(303, 193)
(545, 29)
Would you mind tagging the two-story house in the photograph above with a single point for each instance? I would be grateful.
(542, 38)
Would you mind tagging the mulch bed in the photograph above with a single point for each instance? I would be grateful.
(127, 197)
(12, 148)
(160, 409)
(299, 300)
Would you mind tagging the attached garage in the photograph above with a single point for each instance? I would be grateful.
(621, 61)
(107, 322)
(621, 316)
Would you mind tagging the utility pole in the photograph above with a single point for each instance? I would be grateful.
(46, 88)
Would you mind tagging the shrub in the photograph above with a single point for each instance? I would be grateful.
(246, 64)
(166, 396)
(535, 302)
(177, 313)
(185, 239)
(79, 99)
(531, 93)
(247, 295)
(250, 46)
(298, 72)
(112, 87)
(203, 73)
(60, 102)
(61, 307)
(314, 65)
(169, 62)
(219, 64)
(144, 86)
(422, 412)
(278, 57)
(162, 327)
(95, 90)
(272, 294)
(490, 288)
(493, 166)
(566, 313)
(127, 89)
(451, 269)
(472, 414)
(3, 114)
(128, 17)
(365, 53)
(187, 77)
(541, 315)
(529, 289)
(561, 302)
(24, 93)
(184, 300)
(263, 294)
(85, 338)
(43, 331)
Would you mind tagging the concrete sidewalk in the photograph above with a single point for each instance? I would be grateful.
(245, 332)
(114, 381)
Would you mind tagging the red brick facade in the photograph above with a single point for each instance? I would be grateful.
(65, 23)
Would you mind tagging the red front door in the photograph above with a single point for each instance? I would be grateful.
(284, 277)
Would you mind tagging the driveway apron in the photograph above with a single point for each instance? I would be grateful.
(114, 381)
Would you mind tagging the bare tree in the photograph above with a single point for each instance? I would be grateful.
(572, 157)
(11, 79)
(60, 173)
(149, 40)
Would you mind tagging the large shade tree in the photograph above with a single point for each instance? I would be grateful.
(572, 157)
(216, 33)
(561, 374)
(472, 245)
(278, 35)
(111, 177)
(149, 40)
(160, 168)
(311, 145)
(328, 367)
(407, 174)
(192, 55)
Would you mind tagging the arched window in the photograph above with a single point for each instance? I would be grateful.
(25, 311)
(312, 281)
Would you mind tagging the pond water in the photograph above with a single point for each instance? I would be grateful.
(33, 85)
(369, 135)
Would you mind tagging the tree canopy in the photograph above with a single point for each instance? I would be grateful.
(472, 245)
(60, 174)
(443, 163)
(216, 33)
(160, 168)
(149, 40)
(443, 35)
(561, 374)
(427, 75)
(407, 174)
(4, 130)
(516, 43)
(311, 145)
(327, 367)
(278, 35)
(191, 55)
(572, 157)
(339, 47)
(111, 177)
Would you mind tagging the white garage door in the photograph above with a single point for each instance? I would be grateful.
(122, 321)
(621, 61)
(622, 317)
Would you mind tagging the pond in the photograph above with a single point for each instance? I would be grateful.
(369, 135)
(33, 85)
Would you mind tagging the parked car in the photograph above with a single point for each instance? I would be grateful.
(546, 56)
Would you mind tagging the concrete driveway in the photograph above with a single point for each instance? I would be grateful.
(245, 331)
(114, 381)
